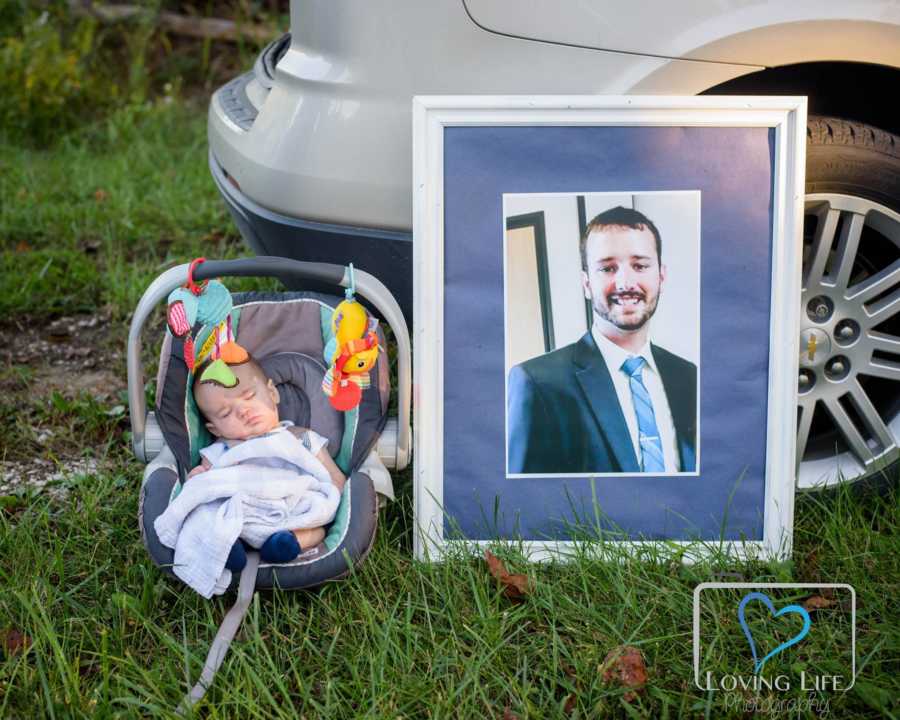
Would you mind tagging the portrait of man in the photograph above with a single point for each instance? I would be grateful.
(613, 401)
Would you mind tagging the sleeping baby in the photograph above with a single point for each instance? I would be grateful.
(249, 410)
(263, 481)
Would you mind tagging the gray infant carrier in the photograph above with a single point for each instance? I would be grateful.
(287, 333)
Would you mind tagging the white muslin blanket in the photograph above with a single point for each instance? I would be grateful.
(242, 498)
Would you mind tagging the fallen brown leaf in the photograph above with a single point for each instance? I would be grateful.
(811, 563)
(515, 587)
(13, 641)
(817, 602)
(625, 666)
(509, 714)
(100, 195)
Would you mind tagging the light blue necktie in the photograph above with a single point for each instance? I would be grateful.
(652, 460)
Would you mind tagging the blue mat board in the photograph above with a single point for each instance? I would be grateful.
(734, 170)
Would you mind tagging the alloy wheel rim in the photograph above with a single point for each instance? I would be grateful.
(849, 359)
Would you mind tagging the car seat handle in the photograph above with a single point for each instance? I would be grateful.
(270, 266)
(367, 286)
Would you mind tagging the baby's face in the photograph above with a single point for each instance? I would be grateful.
(246, 410)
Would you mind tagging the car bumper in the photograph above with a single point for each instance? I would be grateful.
(385, 254)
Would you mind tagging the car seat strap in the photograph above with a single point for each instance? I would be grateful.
(226, 633)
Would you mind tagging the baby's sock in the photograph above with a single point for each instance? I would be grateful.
(281, 547)
(237, 558)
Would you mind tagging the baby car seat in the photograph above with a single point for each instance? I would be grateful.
(287, 333)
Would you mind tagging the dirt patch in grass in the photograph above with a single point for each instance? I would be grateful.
(74, 354)
(43, 476)
(61, 401)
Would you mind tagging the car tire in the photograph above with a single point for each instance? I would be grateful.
(853, 167)
(852, 158)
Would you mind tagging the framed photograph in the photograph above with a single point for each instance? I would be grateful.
(612, 286)
(605, 321)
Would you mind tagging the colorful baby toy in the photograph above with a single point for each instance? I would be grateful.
(209, 304)
(350, 353)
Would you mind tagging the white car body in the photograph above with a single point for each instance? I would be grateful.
(332, 138)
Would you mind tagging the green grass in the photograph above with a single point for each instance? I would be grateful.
(107, 210)
(400, 638)
(110, 636)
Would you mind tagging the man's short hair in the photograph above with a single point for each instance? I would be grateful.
(619, 217)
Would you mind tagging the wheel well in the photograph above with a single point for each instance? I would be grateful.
(854, 91)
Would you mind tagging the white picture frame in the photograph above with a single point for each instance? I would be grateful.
(784, 121)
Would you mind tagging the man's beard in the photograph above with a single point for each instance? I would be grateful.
(634, 323)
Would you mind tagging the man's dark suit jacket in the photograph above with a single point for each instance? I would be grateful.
(564, 414)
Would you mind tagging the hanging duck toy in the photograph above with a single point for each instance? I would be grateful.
(351, 353)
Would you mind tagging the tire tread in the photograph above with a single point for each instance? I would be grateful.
(822, 130)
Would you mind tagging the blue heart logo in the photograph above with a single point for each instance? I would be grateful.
(807, 623)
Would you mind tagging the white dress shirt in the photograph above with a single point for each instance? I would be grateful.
(614, 356)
